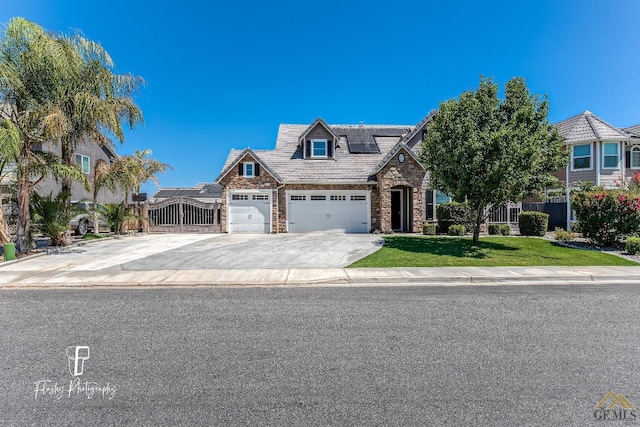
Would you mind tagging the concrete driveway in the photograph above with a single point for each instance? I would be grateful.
(207, 252)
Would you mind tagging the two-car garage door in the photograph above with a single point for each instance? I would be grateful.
(318, 210)
(312, 210)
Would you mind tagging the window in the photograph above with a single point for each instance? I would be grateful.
(318, 197)
(248, 169)
(318, 148)
(581, 156)
(84, 163)
(610, 155)
(338, 197)
(294, 197)
(239, 197)
(358, 198)
(635, 157)
(432, 204)
(260, 197)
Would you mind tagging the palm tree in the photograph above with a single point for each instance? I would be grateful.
(9, 149)
(139, 169)
(96, 101)
(32, 66)
(105, 176)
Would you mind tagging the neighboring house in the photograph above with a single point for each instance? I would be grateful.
(203, 191)
(85, 156)
(600, 153)
(353, 178)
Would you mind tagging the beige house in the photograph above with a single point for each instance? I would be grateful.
(600, 153)
(319, 177)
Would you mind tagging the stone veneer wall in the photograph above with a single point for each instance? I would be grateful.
(409, 174)
(233, 181)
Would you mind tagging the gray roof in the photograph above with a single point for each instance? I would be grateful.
(586, 127)
(286, 159)
(634, 130)
(236, 155)
(200, 191)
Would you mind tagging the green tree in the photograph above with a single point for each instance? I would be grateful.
(487, 151)
(33, 65)
(95, 101)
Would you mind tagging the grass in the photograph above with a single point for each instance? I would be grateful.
(429, 251)
(92, 236)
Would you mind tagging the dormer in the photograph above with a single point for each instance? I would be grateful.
(318, 141)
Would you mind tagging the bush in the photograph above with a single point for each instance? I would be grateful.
(607, 216)
(429, 229)
(502, 229)
(453, 213)
(564, 235)
(532, 223)
(633, 245)
(456, 230)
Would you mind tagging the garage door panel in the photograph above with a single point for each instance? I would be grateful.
(251, 214)
(321, 211)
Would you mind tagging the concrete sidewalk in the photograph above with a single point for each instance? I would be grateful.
(445, 276)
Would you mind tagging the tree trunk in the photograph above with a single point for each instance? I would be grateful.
(24, 186)
(65, 155)
(4, 227)
(476, 227)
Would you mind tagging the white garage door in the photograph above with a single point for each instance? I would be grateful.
(317, 210)
(249, 213)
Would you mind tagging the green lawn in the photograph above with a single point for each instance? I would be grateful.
(429, 251)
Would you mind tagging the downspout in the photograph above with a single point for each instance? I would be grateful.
(278, 208)
(597, 153)
(623, 149)
(568, 198)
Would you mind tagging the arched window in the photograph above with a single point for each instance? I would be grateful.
(635, 157)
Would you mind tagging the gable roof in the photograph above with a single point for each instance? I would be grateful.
(395, 150)
(587, 127)
(230, 165)
(419, 127)
(319, 121)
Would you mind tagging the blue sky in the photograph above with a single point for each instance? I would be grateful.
(223, 75)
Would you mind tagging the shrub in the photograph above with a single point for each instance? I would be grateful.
(429, 229)
(116, 214)
(493, 229)
(453, 213)
(633, 245)
(505, 229)
(607, 216)
(564, 235)
(52, 216)
(456, 230)
(532, 223)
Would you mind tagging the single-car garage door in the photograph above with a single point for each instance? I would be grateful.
(318, 210)
(249, 213)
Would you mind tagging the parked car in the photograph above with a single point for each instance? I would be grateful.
(82, 223)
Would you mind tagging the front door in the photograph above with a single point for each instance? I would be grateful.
(396, 210)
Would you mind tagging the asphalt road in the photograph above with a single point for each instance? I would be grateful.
(477, 356)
